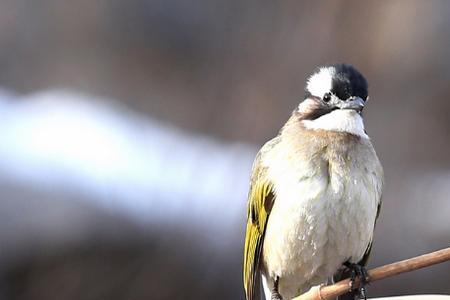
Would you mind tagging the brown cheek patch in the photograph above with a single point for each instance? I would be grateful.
(317, 113)
(312, 108)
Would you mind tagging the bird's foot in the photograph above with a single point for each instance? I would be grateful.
(275, 294)
(358, 271)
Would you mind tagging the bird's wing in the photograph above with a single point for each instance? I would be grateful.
(260, 200)
(378, 190)
(342, 274)
(365, 259)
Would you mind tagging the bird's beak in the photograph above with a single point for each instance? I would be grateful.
(355, 103)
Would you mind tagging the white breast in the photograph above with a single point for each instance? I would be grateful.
(323, 215)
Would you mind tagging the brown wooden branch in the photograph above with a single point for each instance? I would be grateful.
(408, 265)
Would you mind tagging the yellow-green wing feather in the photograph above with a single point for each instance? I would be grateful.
(260, 201)
(261, 197)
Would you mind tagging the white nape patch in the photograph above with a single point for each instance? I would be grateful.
(321, 82)
(345, 120)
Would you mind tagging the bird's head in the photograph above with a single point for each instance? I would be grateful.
(334, 87)
(334, 99)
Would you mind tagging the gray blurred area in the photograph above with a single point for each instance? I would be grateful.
(128, 130)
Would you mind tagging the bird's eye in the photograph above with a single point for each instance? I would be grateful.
(327, 97)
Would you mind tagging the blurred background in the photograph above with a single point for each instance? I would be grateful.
(128, 130)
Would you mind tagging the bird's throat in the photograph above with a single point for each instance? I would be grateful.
(342, 120)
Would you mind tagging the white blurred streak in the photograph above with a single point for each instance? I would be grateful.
(126, 163)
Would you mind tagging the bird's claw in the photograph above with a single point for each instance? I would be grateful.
(276, 296)
(358, 271)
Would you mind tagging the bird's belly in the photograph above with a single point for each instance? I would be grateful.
(309, 236)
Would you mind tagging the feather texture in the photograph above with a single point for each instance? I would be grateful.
(312, 205)
(260, 202)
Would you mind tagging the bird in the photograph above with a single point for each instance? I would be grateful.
(315, 192)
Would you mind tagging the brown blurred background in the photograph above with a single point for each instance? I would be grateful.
(211, 81)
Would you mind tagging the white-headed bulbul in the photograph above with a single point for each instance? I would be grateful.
(315, 191)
